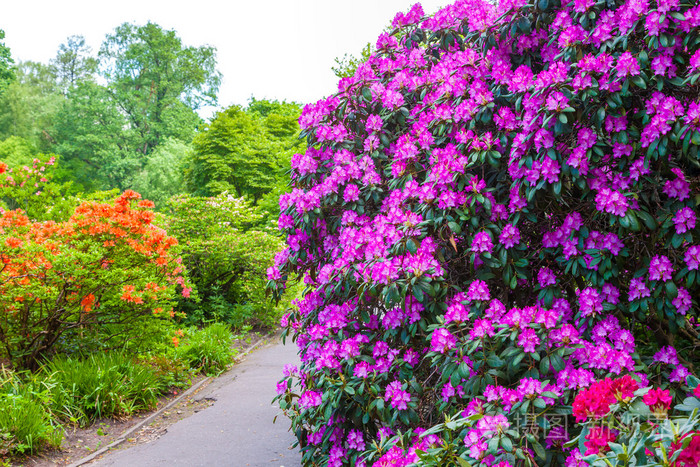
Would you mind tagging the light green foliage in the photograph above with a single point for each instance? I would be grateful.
(245, 151)
(161, 177)
(226, 256)
(208, 350)
(16, 151)
(29, 183)
(157, 82)
(346, 66)
(29, 104)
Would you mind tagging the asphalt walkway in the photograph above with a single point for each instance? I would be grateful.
(237, 430)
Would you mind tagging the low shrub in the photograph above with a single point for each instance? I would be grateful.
(25, 424)
(226, 254)
(102, 385)
(208, 350)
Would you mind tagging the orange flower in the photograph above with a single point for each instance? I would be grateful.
(176, 341)
(13, 242)
(87, 302)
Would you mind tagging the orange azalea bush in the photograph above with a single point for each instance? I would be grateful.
(104, 267)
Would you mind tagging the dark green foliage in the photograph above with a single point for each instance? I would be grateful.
(6, 74)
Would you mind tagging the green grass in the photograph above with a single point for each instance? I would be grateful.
(103, 385)
(25, 424)
(207, 350)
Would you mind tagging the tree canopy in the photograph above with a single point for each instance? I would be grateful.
(6, 74)
(245, 151)
(157, 82)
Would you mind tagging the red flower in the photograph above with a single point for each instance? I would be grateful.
(597, 440)
(87, 302)
(623, 388)
(690, 456)
(658, 400)
(595, 401)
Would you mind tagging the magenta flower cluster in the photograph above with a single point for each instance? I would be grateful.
(496, 210)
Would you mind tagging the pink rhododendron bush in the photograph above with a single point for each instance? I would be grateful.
(496, 220)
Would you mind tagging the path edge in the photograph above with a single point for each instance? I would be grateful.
(124, 436)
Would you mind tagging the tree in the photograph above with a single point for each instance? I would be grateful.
(157, 82)
(6, 73)
(244, 151)
(347, 65)
(92, 135)
(73, 63)
(28, 105)
(161, 177)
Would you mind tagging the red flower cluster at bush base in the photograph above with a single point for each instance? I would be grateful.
(594, 402)
(597, 440)
(690, 456)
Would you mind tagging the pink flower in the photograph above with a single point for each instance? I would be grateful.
(683, 301)
(510, 236)
(398, 397)
(310, 399)
(695, 60)
(590, 302)
(627, 65)
(545, 277)
(684, 220)
(660, 268)
(638, 289)
(482, 243)
(692, 257)
(528, 340)
(478, 290)
(355, 440)
(442, 341)
(612, 202)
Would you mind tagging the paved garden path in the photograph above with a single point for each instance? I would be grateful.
(237, 430)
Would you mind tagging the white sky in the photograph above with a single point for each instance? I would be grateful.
(274, 49)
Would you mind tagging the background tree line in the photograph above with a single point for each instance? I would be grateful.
(126, 118)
